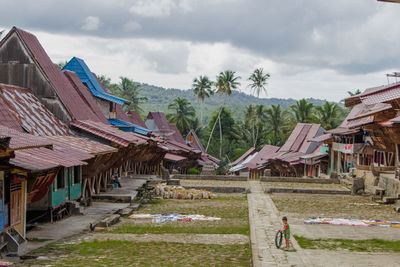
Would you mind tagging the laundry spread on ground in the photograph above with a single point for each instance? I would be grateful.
(165, 217)
(351, 222)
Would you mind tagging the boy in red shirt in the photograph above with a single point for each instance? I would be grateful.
(286, 232)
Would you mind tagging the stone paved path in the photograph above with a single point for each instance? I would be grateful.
(264, 222)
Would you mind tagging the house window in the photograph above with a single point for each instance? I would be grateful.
(60, 182)
(77, 174)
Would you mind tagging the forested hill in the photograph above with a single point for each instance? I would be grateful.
(159, 98)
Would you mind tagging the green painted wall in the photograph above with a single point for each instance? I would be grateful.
(58, 197)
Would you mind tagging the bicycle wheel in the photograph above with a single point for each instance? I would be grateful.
(278, 239)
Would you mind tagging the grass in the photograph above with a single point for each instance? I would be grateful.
(125, 253)
(369, 245)
(232, 210)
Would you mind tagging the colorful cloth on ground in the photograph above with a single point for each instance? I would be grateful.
(165, 217)
(352, 222)
(286, 231)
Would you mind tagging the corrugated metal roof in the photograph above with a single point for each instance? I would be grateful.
(177, 136)
(128, 127)
(298, 139)
(67, 94)
(244, 156)
(7, 119)
(321, 138)
(266, 153)
(135, 118)
(79, 66)
(23, 140)
(160, 120)
(30, 114)
(85, 94)
(173, 157)
(109, 133)
(87, 145)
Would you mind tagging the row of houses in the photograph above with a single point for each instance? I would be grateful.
(301, 155)
(63, 136)
(365, 145)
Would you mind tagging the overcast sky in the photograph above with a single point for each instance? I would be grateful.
(311, 48)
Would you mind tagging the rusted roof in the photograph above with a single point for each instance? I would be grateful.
(376, 95)
(208, 158)
(298, 139)
(368, 110)
(173, 157)
(30, 114)
(249, 152)
(75, 105)
(109, 133)
(37, 159)
(39, 153)
(176, 146)
(22, 140)
(177, 136)
(321, 138)
(87, 145)
(7, 119)
(85, 94)
(266, 153)
(135, 118)
(160, 120)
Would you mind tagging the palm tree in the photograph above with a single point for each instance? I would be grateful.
(258, 122)
(259, 81)
(356, 92)
(130, 90)
(302, 111)
(328, 115)
(275, 117)
(202, 89)
(226, 82)
(183, 114)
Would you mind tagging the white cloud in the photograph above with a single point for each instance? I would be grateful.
(152, 8)
(132, 26)
(91, 23)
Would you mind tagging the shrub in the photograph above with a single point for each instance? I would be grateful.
(193, 171)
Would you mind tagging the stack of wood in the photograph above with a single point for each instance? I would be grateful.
(178, 192)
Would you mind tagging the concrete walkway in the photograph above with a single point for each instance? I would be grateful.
(52, 232)
(264, 223)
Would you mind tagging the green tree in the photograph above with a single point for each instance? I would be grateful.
(259, 81)
(183, 114)
(202, 89)
(130, 90)
(356, 92)
(60, 64)
(328, 115)
(275, 118)
(227, 124)
(226, 82)
(302, 111)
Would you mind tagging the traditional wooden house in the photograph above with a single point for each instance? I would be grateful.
(258, 166)
(378, 118)
(238, 166)
(28, 177)
(29, 115)
(289, 162)
(23, 62)
(180, 155)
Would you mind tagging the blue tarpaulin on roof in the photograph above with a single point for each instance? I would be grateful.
(79, 66)
(128, 127)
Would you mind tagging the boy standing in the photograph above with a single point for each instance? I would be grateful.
(286, 232)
